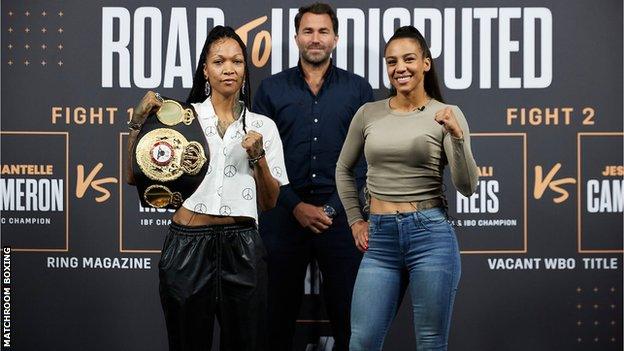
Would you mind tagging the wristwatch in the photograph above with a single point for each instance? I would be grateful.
(329, 211)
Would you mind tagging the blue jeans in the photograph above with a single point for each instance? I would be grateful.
(418, 249)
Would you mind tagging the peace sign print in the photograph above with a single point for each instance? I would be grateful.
(210, 131)
(277, 171)
(225, 210)
(200, 208)
(267, 144)
(257, 123)
(229, 171)
(247, 193)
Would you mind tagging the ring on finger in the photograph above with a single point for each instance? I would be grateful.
(158, 97)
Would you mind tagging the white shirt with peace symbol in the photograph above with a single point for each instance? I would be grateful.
(229, 188)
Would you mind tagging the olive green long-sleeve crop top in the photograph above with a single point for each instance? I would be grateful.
(406, 154)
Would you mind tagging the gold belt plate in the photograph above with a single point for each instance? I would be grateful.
(171, 113)
(164, 155)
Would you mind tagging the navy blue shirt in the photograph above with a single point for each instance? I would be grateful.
(313, 128)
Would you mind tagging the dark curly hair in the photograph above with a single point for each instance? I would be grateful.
(197, 93)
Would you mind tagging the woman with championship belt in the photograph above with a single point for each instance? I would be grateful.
(407, 139)
(213, 259)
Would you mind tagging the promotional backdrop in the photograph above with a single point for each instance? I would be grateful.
(539, 82)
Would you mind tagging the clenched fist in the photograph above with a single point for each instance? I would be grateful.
(252, 143)
(446, 118)
(149, 103)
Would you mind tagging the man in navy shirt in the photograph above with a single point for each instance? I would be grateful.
(312, 105)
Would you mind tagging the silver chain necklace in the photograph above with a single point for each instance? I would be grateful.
(421, 108)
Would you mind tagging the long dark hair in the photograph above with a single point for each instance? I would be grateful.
(432, 88)
(197, 93)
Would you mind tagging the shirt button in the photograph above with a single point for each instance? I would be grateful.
(314, 157)
(315, 138)
(316, 120)
(315, 102)
(313, 175)
(311, 191)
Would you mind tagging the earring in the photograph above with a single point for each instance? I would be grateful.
(207, 88)
(243, 88)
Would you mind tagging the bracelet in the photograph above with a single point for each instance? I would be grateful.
(134, 125)
(254, 161)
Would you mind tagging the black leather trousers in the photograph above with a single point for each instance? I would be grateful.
(208, 271)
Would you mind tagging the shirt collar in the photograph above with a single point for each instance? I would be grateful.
(208, 111)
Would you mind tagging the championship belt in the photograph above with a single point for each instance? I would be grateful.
(171, 156)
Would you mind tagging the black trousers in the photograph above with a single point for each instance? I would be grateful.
(291, 248)
(210, 271)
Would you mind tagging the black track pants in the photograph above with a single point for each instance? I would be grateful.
(214, 270)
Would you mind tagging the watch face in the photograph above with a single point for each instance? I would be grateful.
(329, 211)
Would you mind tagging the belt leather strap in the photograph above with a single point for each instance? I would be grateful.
(427, 204)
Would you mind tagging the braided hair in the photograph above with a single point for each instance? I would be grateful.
(197, 93)
(432, 87)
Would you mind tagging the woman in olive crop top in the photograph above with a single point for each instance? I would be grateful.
(407, 140)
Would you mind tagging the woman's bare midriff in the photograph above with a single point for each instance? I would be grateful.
(186, 217)
(384, 207)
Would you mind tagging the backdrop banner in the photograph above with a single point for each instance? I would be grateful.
(539, 82)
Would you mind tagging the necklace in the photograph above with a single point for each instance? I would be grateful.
(222, 125)
(417, 109)
(422, 108)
